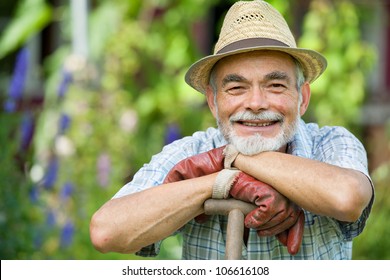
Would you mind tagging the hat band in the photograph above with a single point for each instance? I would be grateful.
(250, 43)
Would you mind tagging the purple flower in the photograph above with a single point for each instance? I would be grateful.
(18, 81)
(10, 105)
(16, 88)
(26, 131)
(37, 241)
(51, 173)
(65, 82)
(67, 234)
(64, 123)
(103, 169)
(66, 191)
(50, 218)
(172, 133)
(34, 194)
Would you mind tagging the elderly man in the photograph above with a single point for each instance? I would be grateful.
(310, 185)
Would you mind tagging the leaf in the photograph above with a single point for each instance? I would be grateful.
(100, 28)
(31, 17)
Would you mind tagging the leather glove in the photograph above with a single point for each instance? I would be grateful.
(196, 166)
(275, 214)
(292, 237)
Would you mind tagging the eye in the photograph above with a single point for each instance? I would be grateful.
(236, 89)
(277, 87)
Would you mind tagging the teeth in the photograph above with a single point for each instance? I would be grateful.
(256, 124)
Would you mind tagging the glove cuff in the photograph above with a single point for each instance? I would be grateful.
(224, 182)
(230, 154)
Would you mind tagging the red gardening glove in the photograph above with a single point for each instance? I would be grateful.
(275, 214)
(196, 166)
(292, 238)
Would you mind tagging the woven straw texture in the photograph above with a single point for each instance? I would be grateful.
(253, 20)
(248, 20)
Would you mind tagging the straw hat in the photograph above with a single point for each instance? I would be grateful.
(254, 25)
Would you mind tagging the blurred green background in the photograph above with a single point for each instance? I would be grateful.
(90, 90)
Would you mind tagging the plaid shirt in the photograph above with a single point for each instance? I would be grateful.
(324, 237)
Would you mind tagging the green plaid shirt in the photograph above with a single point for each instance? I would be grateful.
(324, 237)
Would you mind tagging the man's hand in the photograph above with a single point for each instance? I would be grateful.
(202, 164)
(275, 214)
(197, 166)
(292, 237)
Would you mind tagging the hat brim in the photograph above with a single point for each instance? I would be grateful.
(313, 64)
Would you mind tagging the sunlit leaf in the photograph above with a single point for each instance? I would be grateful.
(31, 17)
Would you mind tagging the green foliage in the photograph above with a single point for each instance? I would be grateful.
(338, 95)
(372, 244)
(15, 217)
(31, 17)
(145, 61)
(103, 118)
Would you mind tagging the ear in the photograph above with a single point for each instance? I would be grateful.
(305, 98)
(210, 100)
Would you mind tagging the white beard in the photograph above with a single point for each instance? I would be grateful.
(255, 144)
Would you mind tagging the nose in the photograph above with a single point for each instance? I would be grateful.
(257, 100)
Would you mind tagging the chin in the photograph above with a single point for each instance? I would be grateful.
(256, 144)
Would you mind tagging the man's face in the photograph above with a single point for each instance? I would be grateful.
(257, 103)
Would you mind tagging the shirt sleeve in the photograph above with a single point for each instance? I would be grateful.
(339, 147)
(153, 173)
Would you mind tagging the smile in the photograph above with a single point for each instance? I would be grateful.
(257, 124)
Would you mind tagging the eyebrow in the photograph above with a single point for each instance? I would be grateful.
(233, 78)
(277, 75)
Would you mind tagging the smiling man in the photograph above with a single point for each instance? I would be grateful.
(260, 100)
(310, 185)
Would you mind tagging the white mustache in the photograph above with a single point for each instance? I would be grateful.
(263, 116)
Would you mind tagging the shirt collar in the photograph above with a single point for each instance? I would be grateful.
(302, 143)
